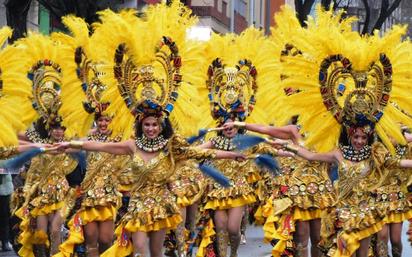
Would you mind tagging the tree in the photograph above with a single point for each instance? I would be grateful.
(386, 10)
(82, 8)
(303, 8)
(387, 7)
(16, 14)
(16, 11)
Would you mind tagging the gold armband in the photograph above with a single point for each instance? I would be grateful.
(239, 124)
(76, 144)
(291, 148)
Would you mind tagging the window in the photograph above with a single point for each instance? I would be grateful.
(241, 7)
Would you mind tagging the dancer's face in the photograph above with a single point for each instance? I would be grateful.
(151, 127)
(57, 134)
(359, 139)
(230, 133)
(103, 124)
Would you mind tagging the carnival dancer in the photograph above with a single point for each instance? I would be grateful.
(46, 187)
(354, 81)
(93, 222)
(392, 200)
(237, 76)
(147, 75)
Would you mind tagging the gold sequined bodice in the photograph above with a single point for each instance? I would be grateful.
(57, 165)
(355, 178)
(157, 171)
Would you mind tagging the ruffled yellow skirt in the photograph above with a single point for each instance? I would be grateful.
(123, 245)
(83, 217)
(27, 237)
(281, 227)
(228, 203)
(349, 242)
(253, 177)
(46, 209)
(395, 217)
(207, 234)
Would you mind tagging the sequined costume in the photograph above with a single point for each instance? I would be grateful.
(277, 199)
(301, 196)
(392, 197)
(46, 191)
(98, 194)
(152, 205)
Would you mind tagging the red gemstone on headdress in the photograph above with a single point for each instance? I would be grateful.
(324, 90)
(177, 77)
(253, 72)
(46, 62)
(177, 61)
(210, 71)
(328, 104)
(345, 62)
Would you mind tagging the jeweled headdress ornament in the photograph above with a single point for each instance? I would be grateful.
(46, 78)
(88, 72)
(144, 92)
(238, 78)
(232, 90)
(364, 104)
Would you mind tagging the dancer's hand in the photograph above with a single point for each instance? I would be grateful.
(294, 133)
(283, 153)
(228, 125)
(278, 143)
(62, 146)
(238, 156)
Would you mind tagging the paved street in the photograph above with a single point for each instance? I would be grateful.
(256, 248)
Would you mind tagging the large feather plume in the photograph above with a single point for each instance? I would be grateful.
(15, 94)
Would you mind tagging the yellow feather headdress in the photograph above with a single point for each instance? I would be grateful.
(15, 91)
(148, 65)
(86, 94)
(344, 79)
(49, 71)
(240, 78)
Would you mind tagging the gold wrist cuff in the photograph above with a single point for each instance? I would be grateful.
(291, 148)
(239, 124)
(76, 144)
